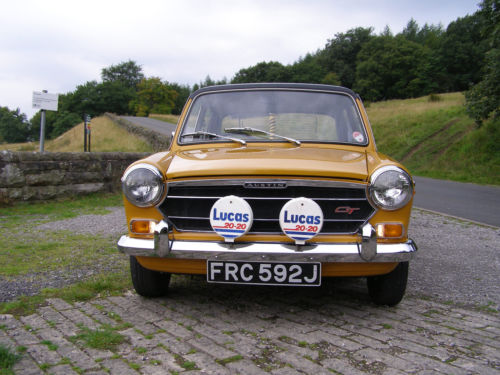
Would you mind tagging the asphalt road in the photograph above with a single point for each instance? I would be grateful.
(162, 127)
(464, 200)
(469, 201)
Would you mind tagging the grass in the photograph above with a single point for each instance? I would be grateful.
(7, 360)
(225, 361)
(172, 119)
(26, 250)
(435, 138)
(106, 136)
(431, 135)
(101, 285)
(105, 338)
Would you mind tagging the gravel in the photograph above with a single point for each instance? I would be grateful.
(112, 224)
(456, 262)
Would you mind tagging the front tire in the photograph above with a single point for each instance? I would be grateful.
(390, 288)
(148, 283)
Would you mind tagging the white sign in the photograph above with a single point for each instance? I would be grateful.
(44, 100)
(231, 217)
(301, 219)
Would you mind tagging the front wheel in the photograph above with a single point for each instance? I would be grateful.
(148, 283)
(390, 288)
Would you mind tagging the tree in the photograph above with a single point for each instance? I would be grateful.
(340, 54)
(13, 126)
(462, 53)
(115, 96)
(183, 92)
(390, 67)
(272, 71)
(483, 99)
(128, 73)
(153, 96)
(307, 69)
(56, 123)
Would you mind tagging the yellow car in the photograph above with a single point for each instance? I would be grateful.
(275, 184)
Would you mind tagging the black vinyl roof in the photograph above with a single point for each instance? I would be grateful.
(289, 86)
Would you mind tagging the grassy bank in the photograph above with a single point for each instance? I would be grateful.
(106, 136)
(437, 138)
(431, 135)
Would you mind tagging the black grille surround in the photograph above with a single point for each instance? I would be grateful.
(345, 205)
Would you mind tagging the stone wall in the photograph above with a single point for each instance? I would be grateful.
(26, 176)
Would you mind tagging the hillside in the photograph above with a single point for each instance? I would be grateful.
(437, 138)
(432, 136)
(106, 136)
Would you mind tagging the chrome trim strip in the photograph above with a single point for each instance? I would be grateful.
(265, 198)
(323, 252)
(290, 182)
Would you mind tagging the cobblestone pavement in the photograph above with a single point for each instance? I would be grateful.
(225, 329)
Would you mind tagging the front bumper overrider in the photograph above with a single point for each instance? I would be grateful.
(367, 250)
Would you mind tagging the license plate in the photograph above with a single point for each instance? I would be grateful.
(264, 273)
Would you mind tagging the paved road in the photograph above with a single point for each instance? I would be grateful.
(474, 202)
(162, 127)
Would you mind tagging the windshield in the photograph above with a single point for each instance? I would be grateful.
(273, 116)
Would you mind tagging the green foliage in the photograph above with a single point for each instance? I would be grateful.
(105, 338)
(13, 126)
(272, 71)
(7, 359)
(183, 92)
(153, 96)
(389, 67)
(462, 54)
(128, 74)
(483, 100)
(340, 54)
(56, 123)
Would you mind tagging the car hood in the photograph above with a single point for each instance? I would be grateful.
(260, 161)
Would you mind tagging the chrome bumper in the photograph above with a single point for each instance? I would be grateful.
(366, 251)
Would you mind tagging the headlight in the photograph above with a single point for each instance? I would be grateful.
(143, 185)
(390, 188)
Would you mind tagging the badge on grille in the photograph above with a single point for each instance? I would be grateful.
(301, 219)
(231, 217)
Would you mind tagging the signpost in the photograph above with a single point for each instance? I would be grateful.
(45, 102)
(86, 132)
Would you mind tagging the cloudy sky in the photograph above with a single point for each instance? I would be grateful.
(59, 44)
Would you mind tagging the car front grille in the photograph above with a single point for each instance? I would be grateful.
(345, 205)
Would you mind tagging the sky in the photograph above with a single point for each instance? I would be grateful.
(56, 45)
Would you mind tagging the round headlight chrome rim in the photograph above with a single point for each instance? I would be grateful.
(392, 198)
(143, 195)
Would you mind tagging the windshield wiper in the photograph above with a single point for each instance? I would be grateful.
(255, 131)
(213, 135)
